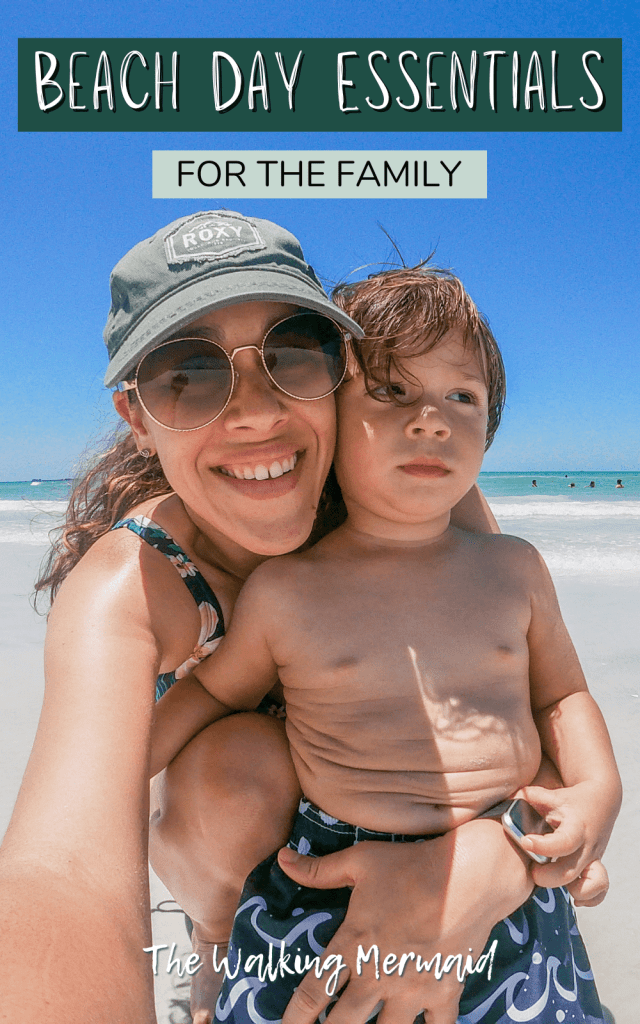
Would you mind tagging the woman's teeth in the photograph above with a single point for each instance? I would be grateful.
(261, 472)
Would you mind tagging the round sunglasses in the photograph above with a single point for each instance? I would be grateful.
(188, 383)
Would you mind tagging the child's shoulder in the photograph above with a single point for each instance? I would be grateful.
(276, 589)
(295, 575)
(508, 551)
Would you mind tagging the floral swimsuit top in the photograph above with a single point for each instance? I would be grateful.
(211, 618)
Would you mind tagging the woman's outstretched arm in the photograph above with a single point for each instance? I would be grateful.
(74, 897)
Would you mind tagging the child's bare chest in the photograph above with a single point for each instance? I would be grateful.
(410, 633)
(418, 680)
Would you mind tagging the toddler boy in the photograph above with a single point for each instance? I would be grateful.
(423, 666)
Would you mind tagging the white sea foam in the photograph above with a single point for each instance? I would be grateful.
(29, 522)
(560, 508)
(621, 565)
(25, 505)
(32, 537)
(594, 539)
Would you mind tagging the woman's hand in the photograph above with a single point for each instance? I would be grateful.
(441, 896)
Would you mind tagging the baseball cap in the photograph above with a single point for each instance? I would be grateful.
(197, 264)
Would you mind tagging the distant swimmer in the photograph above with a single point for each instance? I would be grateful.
(619, 483)
(533, 483)
(572, 485)
(592, 484)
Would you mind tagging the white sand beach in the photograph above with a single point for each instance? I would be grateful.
(594, 557)
(595, 562)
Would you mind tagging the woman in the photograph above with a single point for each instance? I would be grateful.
(234, 480)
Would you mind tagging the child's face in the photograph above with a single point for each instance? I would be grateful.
(407, 466)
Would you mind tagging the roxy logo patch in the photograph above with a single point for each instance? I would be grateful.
(211, 237)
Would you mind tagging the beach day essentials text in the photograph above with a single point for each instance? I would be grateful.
(292, 963)
(319, 84)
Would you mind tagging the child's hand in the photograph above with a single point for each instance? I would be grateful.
(591, 887)
(582, 818)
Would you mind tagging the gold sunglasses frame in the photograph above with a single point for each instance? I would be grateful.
(133, 385)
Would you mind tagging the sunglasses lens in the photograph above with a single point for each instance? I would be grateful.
(185, 384)
(306, 355)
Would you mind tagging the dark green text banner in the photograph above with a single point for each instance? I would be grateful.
(332, 85)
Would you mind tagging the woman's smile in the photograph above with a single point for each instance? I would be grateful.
(249, 470)
(263, 480)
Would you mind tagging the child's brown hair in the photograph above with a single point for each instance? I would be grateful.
(407, 312)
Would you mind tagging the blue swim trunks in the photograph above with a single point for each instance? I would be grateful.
(540, 973)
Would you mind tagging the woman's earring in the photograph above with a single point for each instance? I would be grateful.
(145, 453)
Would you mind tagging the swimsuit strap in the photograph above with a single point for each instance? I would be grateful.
(211, 617)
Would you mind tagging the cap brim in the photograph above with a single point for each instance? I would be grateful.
(210, 293)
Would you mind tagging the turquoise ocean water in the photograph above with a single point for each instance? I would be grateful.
(591, 533)
(519, 485)
(581, 530)
(494, 485)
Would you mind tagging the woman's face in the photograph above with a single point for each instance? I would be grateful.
(217, 469)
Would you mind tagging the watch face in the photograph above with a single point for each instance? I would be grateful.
(520, 820)
(527, 820)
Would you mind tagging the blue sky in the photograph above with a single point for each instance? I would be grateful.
(551, 256)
